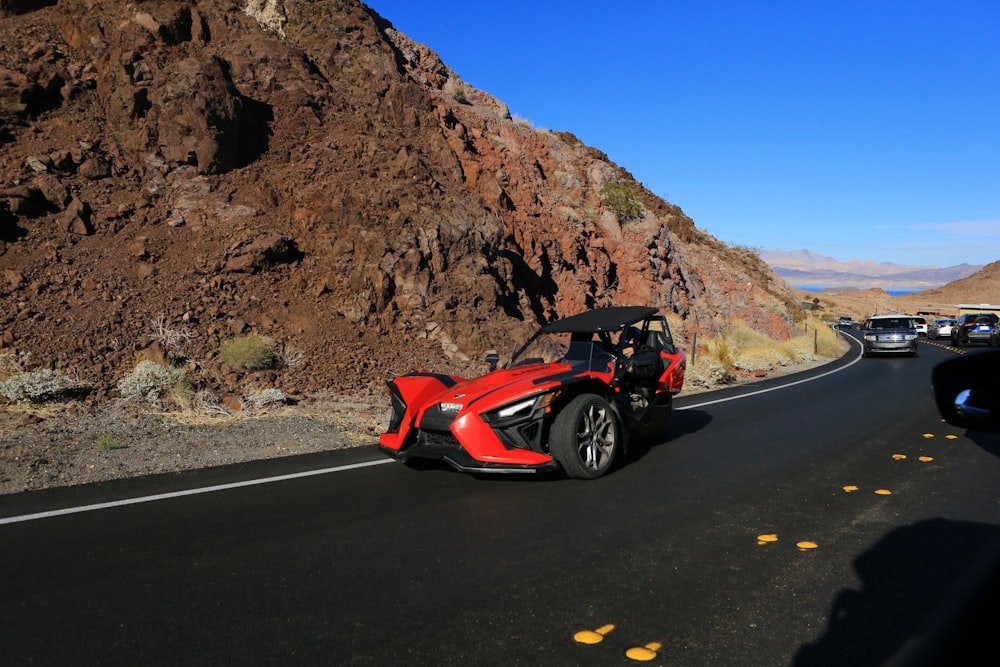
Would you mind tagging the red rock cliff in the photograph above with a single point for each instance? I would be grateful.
(303, 170)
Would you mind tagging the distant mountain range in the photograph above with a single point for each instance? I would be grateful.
(809, 270)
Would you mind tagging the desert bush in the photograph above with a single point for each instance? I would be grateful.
(458, 94)
(37, 386)
(706, 374)
(523, 122)
(621, 201)
(760, 359)
(155, 385)
(721, 351)
(171, 340)
(749, 251)
(22, 386)
(205, 402)
(12, 363)
(251, 352)
(291, 356)
(106, 443)
(570, 215)
(257, 399)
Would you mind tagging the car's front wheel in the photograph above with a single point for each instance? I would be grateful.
(585, 437)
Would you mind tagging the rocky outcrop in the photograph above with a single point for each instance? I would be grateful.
(303, 170)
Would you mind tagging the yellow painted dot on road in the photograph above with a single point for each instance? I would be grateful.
(850, 487)
(806, 546)
(925, 459)
(883, 492)
(951, 437)
(899, 457)
(644, 653)
(593, 636)
(928, 435)
(767, 538)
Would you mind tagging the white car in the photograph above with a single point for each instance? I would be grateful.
(941, 328)
(920, 325)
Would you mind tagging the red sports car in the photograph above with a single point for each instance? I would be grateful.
(569, 398)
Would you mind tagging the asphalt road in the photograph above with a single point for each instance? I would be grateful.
(382, 564)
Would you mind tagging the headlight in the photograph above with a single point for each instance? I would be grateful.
(871, 338)
(513, 409)
(526, 406)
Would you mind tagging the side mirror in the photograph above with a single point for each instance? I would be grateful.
(967, 391)
(493, 359)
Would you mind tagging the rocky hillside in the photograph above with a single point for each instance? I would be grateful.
(981, 287)
(177, 173)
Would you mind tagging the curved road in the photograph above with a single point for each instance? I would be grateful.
(340, 559)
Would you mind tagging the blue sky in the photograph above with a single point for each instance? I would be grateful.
(856, 129)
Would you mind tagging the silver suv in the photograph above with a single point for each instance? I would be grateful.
(890, 334)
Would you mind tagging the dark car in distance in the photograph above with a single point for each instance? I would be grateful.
(975, 328)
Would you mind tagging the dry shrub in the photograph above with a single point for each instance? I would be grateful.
(251, 352)
(255, 400)
(22, 386)
(156, 385)
(171, 340)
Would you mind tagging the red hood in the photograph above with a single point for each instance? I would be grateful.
(510, 384)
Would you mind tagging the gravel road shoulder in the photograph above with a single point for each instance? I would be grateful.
(71, 443)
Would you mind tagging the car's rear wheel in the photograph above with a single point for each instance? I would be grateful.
(585, 437)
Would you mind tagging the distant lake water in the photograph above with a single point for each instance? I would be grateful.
(891, 292)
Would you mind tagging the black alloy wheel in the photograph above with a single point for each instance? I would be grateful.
(585, 437)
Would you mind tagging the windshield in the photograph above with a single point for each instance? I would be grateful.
(891, 323)
(550, 347)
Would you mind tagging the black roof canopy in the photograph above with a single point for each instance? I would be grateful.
(601, 319)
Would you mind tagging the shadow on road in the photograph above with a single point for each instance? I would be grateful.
(682, 423)
(930, 596)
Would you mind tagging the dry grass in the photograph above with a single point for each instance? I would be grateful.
(742, 351)
(251, 352)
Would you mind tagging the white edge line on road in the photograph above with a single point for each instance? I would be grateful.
(326, 471)
(187, 492)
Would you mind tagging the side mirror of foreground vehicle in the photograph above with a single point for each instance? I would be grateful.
(967, 391)
(493, 359)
